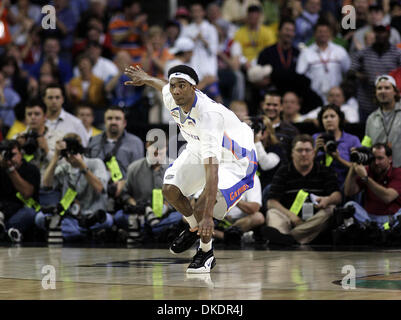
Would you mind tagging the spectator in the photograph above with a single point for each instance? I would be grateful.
(240, 109)
(87, 87)
(8, 99)
(285, 131)
(384, 124)
(235, 11)
(116, 143)
(19, 186)
(395, 11)
(103, 68)
(14, 77)
(254, 36)
(380, 58)
(376, 18)
(84, 112)
(291, 108)
(317, 186)
(172, 31)
(51, 51)
(128, 29)
(5, 36)
(182, 16)
(88, 178)
(117, 93)
(324, 62)
(215, 17)
(141, 194)
(38, 150)
(332, 120)
(97, 10)
(229, 61)
(19, 124)
(381, 183)
(204, 58)
(305, 23)
(58, 118)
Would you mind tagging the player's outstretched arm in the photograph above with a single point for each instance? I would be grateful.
(140, 78)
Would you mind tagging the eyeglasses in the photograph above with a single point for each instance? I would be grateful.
(306, 150)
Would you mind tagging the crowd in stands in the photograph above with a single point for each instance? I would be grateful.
(323, 101)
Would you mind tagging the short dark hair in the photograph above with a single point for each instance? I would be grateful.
(336, 109)
(322, 22)
(182, 68)
(284, 21)
(275, 93)
(33, 102)
(302, 138)
(379, 145)
(83, 104)
(53, 86)
(116, 108)
(254, 8)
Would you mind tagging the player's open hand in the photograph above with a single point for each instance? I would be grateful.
(206, 227)
(137, 75)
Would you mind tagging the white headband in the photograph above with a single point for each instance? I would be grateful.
(182, 76)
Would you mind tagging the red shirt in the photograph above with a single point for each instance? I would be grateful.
(373, 204)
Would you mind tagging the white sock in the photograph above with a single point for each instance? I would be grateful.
(192, 221)
(206, 247)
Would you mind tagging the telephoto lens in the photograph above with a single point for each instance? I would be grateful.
(150, 217)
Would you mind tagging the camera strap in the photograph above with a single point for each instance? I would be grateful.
(67, 199)
(29, 157)
(299, 201)
(157, 202)
(112, 164)
(30, 203)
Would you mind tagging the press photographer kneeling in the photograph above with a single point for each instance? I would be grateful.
(82, 183)
(381, 183)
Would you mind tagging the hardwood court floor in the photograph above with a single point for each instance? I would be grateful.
(147, 274)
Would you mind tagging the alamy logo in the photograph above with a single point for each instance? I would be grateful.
(49, 20)
(349, 20)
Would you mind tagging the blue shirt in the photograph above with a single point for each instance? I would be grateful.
(345, 143)
(7, 109)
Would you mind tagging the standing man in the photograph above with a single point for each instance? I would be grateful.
(285, 131)
(384, 124)
(219, 159)
(58, 118)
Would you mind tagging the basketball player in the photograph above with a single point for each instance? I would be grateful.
(219, 159)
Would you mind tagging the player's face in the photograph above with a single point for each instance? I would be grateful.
(182, 91)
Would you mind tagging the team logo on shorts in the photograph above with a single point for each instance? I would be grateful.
(170, 176)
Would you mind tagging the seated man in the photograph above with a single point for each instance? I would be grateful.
(142, 195)
(86, 180)
(302, 185)
(19, 191)
(382, 185)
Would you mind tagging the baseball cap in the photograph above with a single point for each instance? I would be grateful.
(385, 77)
(182, 44)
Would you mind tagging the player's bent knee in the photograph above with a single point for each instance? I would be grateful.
(171, 193)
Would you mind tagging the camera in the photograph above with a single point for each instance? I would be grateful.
(329, 142)
(257, 124)
(346, 212)
(73, 147)
(142, 208)
(89, 220)
(362, 155)
(6, 148)
(31, 143)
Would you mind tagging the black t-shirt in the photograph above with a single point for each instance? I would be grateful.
(8, 194)
(287, 181)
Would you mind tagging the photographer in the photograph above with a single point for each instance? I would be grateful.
(382, 185)
(38, 141)
(333, 146)
(302, 197)
(86, 179)
(19, 189)
(142, 195)
(117, 148)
